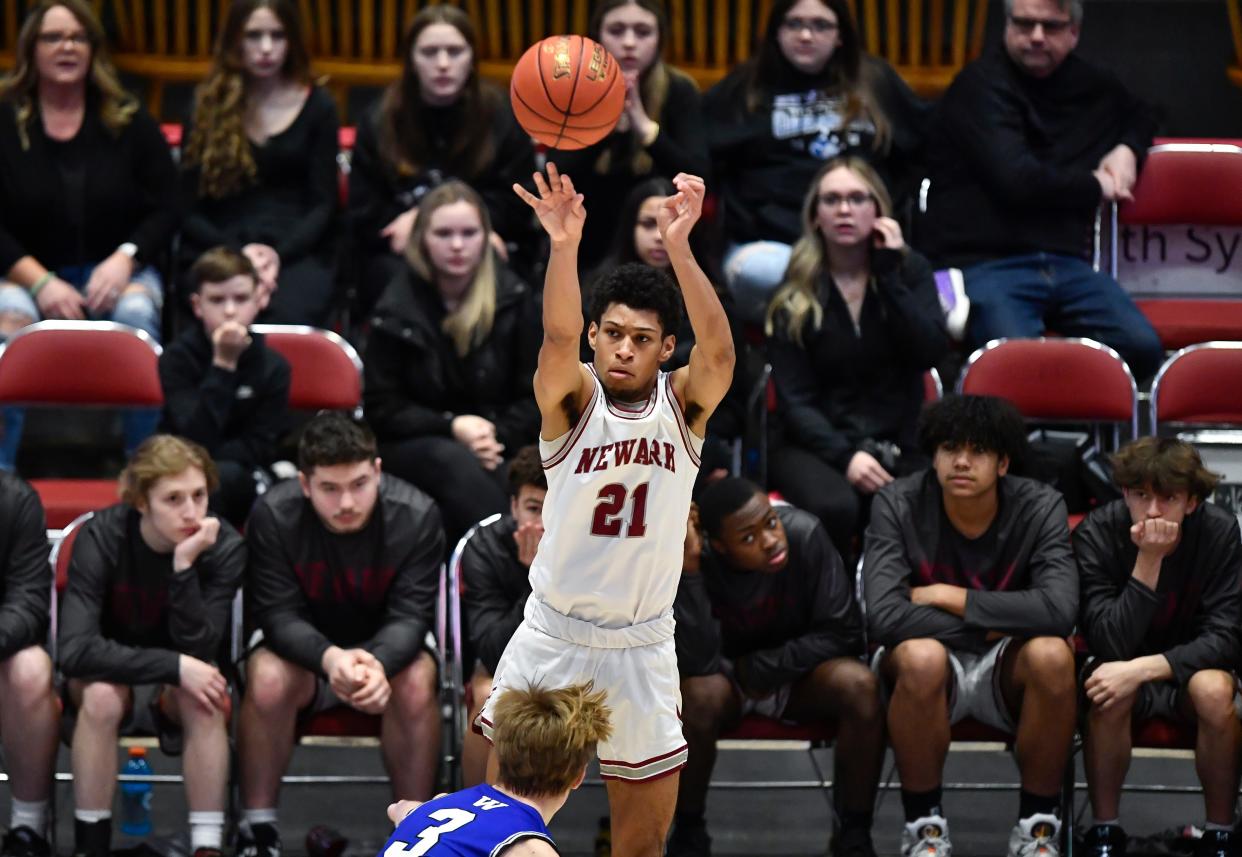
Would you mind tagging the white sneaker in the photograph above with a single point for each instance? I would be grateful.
(1037, 836)
(927, 837)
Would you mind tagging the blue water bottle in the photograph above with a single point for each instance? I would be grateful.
(136, 796)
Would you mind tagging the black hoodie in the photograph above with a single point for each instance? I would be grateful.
(416, 383)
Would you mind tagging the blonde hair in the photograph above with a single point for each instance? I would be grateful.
(544, 738)
(471, 322)
(798, 296)
(116, 108)
(159, 456)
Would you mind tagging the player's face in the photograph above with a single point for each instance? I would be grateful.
(632, 35)
(343, 495)
(808, 35)
(174, 509)
(265, 47)
(1039, 35)
(845, 211)
(442, 60)
(753, 538)
(629, 347)
(62, 49)
(966, 472)
(648, 244)
(455, 240)
(527, 506)
(1146, 503)
(232, 300)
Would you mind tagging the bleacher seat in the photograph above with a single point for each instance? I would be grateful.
(325, 370)
(43, 365)
(1199, 386)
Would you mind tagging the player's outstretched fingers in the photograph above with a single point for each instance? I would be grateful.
(541, 185)
(526, 196)
(554, 176)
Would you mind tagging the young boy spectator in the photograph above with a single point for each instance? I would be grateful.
(151, 584)
(29, 713)
(342, 586)
(789, 646)
(972, 591)
(1161, 610)
(495, 565)
(223, 388)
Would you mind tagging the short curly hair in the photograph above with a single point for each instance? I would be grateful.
(1165, 465)
(986, 423)
(639, 287)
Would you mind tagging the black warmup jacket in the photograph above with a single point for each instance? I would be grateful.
(26, 582)
(237, 416)
(1194, 616)
(416, 383)
(376, 589)
(1024, 585)
(845, 385)
(127, 618)
(1010, 158)
(774, 627)
(496, 589)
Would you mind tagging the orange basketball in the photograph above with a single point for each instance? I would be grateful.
(567, 92)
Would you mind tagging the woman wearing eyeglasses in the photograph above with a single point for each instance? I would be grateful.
(810, 93)
(88, 190)
(854, 326)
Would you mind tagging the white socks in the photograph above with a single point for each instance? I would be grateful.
(206, 830)
(29, 813)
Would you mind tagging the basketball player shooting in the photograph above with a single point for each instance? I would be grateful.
(620, 441)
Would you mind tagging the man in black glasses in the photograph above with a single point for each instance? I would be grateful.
(1029, 142)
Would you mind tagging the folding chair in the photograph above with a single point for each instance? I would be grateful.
(79, 364)
(325, 370)
(1057, 380)
(1184, 182)
(1199, 386)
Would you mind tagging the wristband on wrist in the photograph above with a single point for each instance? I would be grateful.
(47, 277)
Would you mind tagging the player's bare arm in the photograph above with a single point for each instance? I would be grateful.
(562, 383)
(530, 848)
(701, 384)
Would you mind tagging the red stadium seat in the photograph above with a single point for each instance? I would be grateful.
(326, 371)
(1199, 386)
(1187, 182)
(1056, 380)
(42, 365)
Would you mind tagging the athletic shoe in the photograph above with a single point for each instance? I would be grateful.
(263, 841)
(24, 842)
(1217, 843)
(926, 837)
(854, 842)
(1036, 837)
(1105, 840)
(689, 840)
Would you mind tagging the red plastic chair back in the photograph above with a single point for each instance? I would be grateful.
(1188, 182)
(1200, 384)
(326, 372)
(85, 363)
(62, 552)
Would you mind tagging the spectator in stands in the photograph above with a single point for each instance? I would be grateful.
(637, 240)
(223, 387)
(143, 624)
(660, 132)
(29, 711)
(437, 122)
(260, 162)
(811, 93)
(1161, 610)
(89, 191)
(1029, 142)
(342, 587)
(851, 331)
(494, 568)
(789, 645)
(972, 591)
(453, 346)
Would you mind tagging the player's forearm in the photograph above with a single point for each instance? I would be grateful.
(707, 316)
(562, 296)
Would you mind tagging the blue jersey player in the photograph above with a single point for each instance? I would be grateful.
(542, 741)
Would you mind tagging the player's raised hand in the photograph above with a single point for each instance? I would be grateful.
(558, 206)
(679, 212)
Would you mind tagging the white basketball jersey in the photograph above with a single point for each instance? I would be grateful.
(614, 517)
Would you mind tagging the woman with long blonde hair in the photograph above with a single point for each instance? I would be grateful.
(260, 162)
(452, 350)
(88, 191)
(851, 331)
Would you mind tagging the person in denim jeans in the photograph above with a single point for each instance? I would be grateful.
(1030, 141)
(87, 191)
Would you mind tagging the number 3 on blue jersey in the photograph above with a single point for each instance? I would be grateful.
(451, 820)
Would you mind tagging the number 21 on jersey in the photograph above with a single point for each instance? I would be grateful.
(608, 519)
